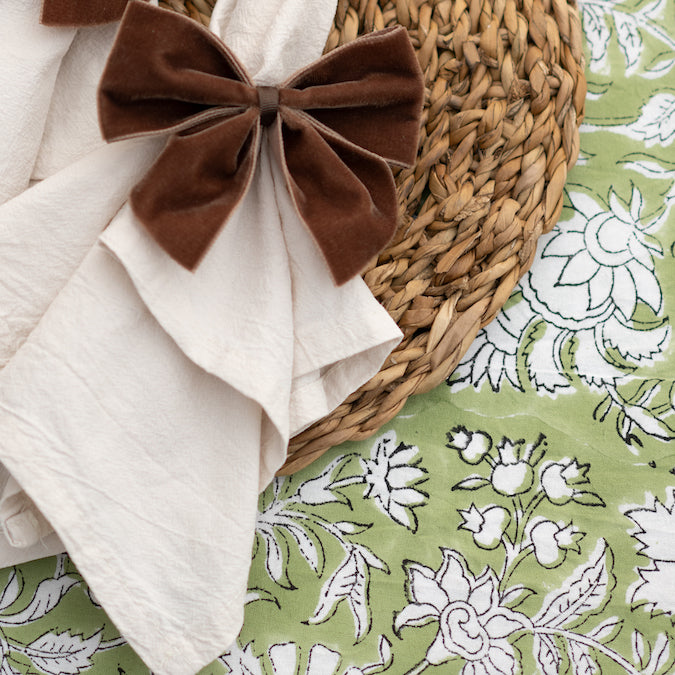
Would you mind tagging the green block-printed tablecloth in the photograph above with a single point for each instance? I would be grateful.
(519, 518)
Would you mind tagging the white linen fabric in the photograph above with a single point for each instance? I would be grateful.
(48, 121)
(150, 405)
(28, 535)
(71, 128)
(30, 55)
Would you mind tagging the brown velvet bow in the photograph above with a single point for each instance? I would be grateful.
(336, 124)
(81, 12)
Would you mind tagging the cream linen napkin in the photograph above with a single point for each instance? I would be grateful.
(48, 119)
(30, 55)
(149, 467)
(340, 335)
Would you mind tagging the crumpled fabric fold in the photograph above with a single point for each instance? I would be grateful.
(31, 55)
(48, 121)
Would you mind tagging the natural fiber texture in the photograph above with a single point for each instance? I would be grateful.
(504, 100)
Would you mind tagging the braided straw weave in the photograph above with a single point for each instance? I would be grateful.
(505, 94)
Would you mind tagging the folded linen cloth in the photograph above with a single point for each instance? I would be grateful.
(30, 55)
(48, 119)
(48, 83)
(111, 418)
(28, 535)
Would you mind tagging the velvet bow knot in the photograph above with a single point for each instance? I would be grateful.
(336, 125)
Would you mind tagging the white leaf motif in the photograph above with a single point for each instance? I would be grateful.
(259, 594)
(582, 593)
(654, 10)
(648, 168)
(372, 560)
(386, 657)
(62, 653)
(349, 582)
(660, 655)
(47, 595)
(306, 546)
(515, 595)
(582, 663)
(349, 527)
(597, 35)
(605, 629)
(547, 655)
(656, 123)
(10, 593)
(649, 422)
(415, 615)
(629, 39)
(318, 490)
(275, 559)
(659, 70)
(638, 645)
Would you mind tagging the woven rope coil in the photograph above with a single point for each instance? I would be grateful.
(505, 93)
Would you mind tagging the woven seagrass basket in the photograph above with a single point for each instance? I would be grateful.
(505, 94)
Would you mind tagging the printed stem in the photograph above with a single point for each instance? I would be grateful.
(351, 480)
(534, 502)
(512, 565)
(589, 642)
(419, 668)
(509, 553)
(658, 33)
(111, 644)
(518, 513)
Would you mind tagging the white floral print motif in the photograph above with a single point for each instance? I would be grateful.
(596, 288)
(599, 266)
(655, 534)
(471, 623)
(551, 541)
(513, 471)
(476, 616)
(604, 257)
(630, 31)
(52, 653)
(487, 524)
(286, 659)
(591, 312)
(559, 481)
(392, 476)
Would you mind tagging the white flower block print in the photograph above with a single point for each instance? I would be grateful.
(392, 479)
(591, 306)
(287, 659)
(655, 534)
(471, 623)
(598, 265)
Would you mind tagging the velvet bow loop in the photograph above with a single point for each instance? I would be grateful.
(336, 124)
